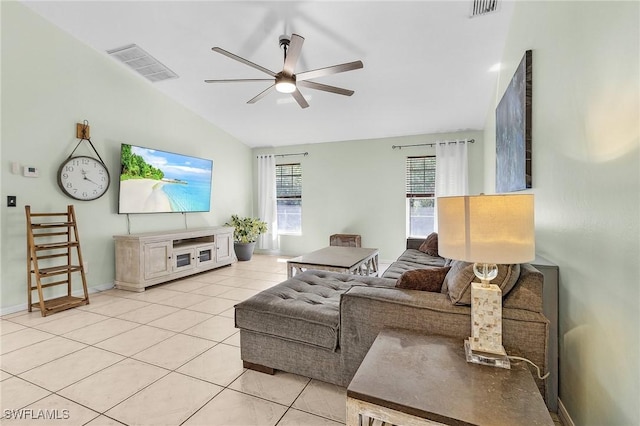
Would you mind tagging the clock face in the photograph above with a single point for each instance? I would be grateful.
(83, 178)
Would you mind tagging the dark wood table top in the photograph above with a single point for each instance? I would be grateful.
(429, 377)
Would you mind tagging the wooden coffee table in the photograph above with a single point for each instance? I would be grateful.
(409, 378)
(350, 260)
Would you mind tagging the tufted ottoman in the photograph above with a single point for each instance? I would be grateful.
(304, 311)
(304, 308)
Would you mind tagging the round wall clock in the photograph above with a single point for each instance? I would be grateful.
(83, 178)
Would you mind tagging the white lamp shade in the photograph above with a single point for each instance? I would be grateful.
(487, 228)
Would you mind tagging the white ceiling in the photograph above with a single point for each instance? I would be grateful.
(426, 63)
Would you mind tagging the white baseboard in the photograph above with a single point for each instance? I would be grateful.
(99, 288)
(23, 307)
(13, 309)
(563, 414)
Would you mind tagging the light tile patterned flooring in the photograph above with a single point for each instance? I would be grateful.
(167, 356)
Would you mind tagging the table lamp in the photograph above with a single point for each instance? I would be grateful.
(486, 230)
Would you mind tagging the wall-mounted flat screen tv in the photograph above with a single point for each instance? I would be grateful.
(154, 181)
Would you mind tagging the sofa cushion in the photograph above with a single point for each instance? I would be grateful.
(527, 293)
(423, 279)
(412, 259)
(459, 278)
(420, 258)
(430, 245)
(304, 308)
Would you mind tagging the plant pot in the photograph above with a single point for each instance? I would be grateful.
(244, 251)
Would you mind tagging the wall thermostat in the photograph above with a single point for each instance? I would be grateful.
(29, 171)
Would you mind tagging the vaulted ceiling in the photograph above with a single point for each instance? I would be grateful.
(428, 66)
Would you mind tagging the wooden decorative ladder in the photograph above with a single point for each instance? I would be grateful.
(51, 241)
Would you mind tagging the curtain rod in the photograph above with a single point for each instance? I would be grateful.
(433, 143)
(284, 155)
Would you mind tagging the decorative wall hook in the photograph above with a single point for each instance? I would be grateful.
(83, 131)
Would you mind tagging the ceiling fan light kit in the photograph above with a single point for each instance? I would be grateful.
(285, 84)
(286, 81)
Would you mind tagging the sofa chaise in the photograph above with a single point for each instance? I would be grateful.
(321, 324)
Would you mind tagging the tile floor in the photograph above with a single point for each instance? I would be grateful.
(167, 356)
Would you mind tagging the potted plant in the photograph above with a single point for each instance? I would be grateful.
(245, 234)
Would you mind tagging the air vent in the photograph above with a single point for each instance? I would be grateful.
(483, 7)
(140, 61)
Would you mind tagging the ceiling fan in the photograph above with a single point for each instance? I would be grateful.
(286, 81)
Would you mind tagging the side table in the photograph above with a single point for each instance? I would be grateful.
(412, 379)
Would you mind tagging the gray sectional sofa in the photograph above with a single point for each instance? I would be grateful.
(321, 324)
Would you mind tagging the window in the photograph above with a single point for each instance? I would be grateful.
(421, 188)
(289, 198)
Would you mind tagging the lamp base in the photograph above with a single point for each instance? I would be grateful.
(486, 358)
(486, 318)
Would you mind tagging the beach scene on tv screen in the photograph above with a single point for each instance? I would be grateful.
(153, 181)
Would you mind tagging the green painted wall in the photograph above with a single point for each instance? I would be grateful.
(51, 81)
(358, 187)
(586, 180)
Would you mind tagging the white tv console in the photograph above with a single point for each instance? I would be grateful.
(143, 260)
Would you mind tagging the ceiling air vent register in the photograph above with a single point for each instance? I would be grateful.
(483, 7)
(141, 62)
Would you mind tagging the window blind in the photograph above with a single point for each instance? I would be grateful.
(421, 176)
(289, 180)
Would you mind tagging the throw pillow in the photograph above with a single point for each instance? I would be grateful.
(430, 245)
(459, 278)
(423, 279)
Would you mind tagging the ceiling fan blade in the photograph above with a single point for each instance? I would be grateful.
(300, 99)
(238, 80)
(293, 53)
(262, 94)
(326, 88)
(244, 61)
(321, 72)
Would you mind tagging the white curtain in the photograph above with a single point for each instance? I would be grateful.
(452, 171)
(267, 205)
